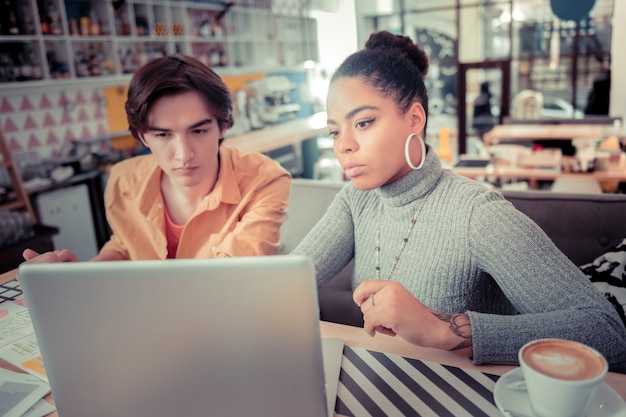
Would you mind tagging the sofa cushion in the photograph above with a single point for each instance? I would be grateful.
(583, 226)
(608, 274)
(308, 203)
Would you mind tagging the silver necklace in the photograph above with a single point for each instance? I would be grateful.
(405, 239)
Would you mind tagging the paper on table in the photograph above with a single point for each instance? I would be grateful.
(25, 354)
(40, 409)
(15, 322)
(18, 344)
(19, 392)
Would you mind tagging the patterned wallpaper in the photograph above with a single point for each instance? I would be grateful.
(44, 122)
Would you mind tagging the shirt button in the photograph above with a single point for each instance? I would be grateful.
(213, 249)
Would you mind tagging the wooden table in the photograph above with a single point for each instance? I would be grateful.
(533, 132)
(533, 175)
(8, 276)
(546, 132)
(355, 337)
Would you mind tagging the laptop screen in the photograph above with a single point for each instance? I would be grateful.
(186, 337)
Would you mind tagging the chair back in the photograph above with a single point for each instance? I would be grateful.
(576, 185)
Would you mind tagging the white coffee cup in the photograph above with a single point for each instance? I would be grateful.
(562, 376)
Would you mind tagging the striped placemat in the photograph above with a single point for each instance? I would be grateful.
(10, 291)
(381, 384)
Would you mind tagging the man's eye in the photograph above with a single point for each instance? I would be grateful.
(200, 131)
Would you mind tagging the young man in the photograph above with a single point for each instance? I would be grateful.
(189, 198)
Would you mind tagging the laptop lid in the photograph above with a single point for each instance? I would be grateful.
(180, 337)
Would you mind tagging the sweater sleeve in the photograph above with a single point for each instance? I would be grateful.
(551, 294)
(330, 243)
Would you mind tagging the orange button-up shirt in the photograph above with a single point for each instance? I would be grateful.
(240, 217)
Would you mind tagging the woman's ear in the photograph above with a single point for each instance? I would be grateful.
(417, 117)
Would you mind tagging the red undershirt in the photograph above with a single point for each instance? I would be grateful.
(172, 233)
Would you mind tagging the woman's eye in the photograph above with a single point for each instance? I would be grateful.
(364, 123)
(333, 133)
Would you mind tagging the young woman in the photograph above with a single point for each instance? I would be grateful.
(189, 198)
(440, 260)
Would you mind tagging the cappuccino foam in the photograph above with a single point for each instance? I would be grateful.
(563, 359)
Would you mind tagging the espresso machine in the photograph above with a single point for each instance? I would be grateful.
(269, 101)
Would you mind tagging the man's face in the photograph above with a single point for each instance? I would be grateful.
(184, 137)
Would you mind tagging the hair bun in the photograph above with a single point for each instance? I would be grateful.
(387, 43)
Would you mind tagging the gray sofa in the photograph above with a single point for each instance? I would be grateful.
(583, 226)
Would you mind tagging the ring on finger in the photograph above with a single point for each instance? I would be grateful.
(372, 298)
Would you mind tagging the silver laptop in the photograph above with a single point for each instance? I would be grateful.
(195, 337)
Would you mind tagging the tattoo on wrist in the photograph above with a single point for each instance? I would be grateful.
(460, 326)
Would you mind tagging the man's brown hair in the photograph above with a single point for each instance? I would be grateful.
(173, 75)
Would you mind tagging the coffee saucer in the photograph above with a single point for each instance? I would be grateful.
(512, 398)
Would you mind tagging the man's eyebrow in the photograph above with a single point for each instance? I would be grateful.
(193, 126)
(156, 129)
(201, 123)
(352, 113)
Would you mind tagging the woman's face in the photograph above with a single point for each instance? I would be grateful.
(369, 133)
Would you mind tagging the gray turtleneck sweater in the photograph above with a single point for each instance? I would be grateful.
(470, 251)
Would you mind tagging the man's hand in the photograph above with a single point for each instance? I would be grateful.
(63, 255)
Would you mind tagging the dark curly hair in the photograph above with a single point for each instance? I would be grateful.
(173, 75)
(393, 65)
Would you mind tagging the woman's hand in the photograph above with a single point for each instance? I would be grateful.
(391, 309)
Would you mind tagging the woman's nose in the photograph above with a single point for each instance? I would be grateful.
(344, 143)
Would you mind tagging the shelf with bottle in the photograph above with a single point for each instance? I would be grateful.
(17, 18)
(93, 59)
(19, 61)
(104, 39)
(132, 55)
(88, 19)
(266, 39)
(57, 59)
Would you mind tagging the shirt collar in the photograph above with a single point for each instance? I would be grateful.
(148, 191)
(226, 188)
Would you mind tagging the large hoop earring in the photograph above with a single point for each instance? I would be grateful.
(406, 151)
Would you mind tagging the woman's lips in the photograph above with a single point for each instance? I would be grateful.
(353, 170)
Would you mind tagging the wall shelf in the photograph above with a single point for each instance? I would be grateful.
(66, 41)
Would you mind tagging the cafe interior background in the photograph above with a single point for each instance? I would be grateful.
(65, 66)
